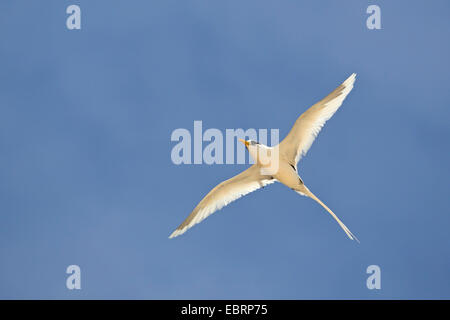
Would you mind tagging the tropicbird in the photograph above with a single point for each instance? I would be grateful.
(289, 151)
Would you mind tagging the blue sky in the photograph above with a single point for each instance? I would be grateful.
(86, 176)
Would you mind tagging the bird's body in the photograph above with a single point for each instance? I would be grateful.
(278, 163)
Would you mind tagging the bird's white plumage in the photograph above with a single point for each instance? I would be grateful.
(290, 150)
(223, 194)
(308, 125)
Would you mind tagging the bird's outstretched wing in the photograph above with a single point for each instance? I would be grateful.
(224, 193)
(308, 125)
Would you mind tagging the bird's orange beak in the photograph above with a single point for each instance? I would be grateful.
(244, 142)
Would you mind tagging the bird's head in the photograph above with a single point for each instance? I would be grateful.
(249, 143)
(253, 147)
(262, 155)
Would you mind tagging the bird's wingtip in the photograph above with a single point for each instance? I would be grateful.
(351, 78)
(176, 233)
(173, 235)
(350, 81)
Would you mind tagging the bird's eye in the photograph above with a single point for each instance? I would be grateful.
(253, 142)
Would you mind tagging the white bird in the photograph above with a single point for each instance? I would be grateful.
(287, 153)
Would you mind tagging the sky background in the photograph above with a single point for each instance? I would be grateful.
(86, 176)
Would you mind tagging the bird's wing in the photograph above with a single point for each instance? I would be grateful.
(308, 125)
(224, 193)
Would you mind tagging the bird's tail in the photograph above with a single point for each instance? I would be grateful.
(304, 191)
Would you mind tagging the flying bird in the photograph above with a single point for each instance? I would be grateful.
(287, 153)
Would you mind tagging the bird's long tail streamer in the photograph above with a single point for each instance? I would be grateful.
(306, 192)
